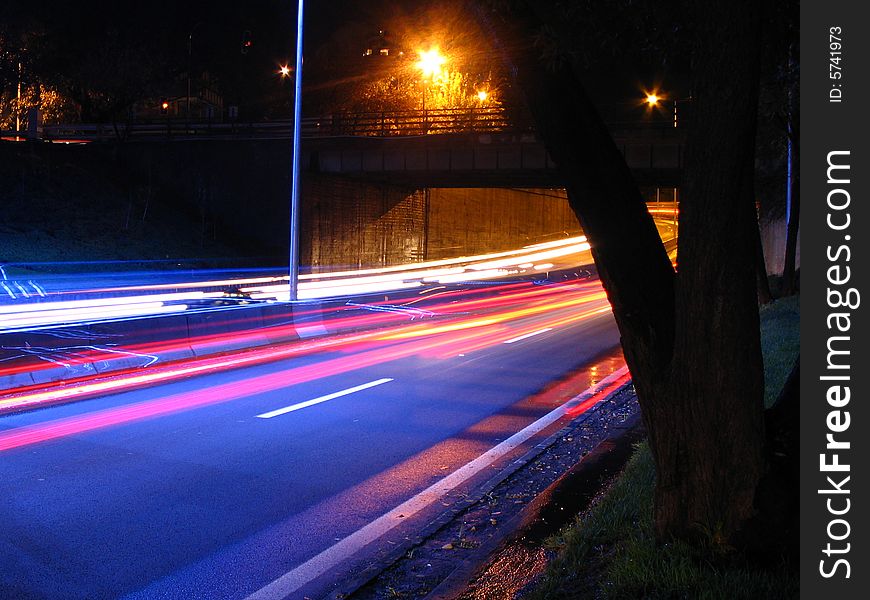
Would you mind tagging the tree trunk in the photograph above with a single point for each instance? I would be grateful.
(692, 341)
(629, 255)
(709, 466)
(764, 295)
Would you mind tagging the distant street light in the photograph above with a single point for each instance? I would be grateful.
(482, 95)
(284, 71)
(653, 100)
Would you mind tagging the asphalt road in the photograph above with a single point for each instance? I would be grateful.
(238, 478)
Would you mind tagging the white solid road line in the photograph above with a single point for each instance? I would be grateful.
(318, 400)
(528, 335)
(318, 565)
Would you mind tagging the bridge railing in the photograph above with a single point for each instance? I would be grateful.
(412, 122)
(361, 124)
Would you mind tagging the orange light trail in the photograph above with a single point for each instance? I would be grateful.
(246, 331)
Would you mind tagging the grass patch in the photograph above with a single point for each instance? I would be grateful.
(780, 343)
(610, 551)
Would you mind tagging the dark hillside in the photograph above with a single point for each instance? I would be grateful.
(65, 203)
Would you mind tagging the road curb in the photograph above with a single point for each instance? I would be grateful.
(350, 586)
(458, 581)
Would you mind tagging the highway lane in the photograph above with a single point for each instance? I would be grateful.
(205, 499)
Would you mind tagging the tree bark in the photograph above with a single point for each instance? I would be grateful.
(764, 294)
(631, 260)
(710, 462)
(774, 531)
(691, 341)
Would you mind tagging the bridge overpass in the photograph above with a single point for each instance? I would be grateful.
(497, 159)
(436, 148)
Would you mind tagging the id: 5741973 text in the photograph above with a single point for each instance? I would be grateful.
(835, 68)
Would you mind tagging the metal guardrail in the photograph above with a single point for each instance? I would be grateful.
(158, 131)
(169, 129)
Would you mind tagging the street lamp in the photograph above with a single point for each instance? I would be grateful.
(294, 194)
(18, 103)
(652, 100)
(430, 64)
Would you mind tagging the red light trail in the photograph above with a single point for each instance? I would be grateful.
(462, 334)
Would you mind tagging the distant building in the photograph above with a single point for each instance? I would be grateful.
(205, 102)
(381, 46)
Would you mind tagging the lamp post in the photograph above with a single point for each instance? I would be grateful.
(652, 99)
(430, 66)
(18, 104)
(190, 63)
(425, 120)
(294, 194)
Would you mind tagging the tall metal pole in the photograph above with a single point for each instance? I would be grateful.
(18, 103)
(294, 195)
(190, 63)
(189, 53)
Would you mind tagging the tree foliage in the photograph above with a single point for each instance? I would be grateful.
(54, 107)
(349, 80)
(404, 90)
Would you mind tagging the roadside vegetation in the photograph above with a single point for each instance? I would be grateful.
(78, 212)
(610, 551)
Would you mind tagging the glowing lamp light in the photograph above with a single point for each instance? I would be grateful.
(430, 62)
(482, 95)
(284, 71)
(652, 99)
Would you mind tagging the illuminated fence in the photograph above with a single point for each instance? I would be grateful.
(362, 124)
(414, 122)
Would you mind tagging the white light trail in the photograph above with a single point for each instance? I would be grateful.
(21, 314)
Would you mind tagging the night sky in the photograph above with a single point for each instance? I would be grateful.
(148, 43)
